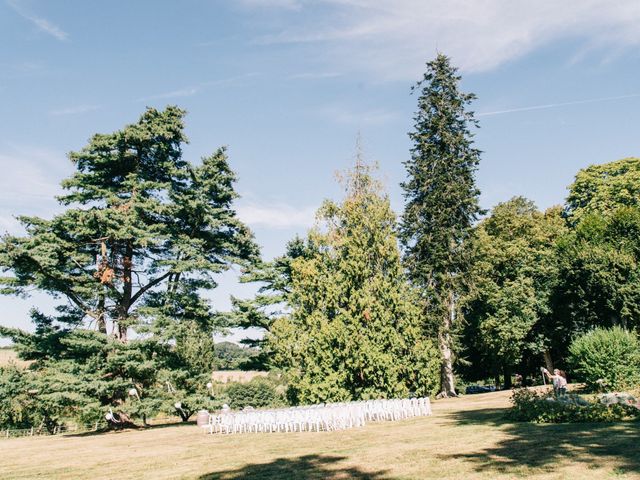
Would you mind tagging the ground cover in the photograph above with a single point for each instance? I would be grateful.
(465, 438)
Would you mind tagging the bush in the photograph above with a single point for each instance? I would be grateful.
(259, 392)
(530, 406)
(607, 358)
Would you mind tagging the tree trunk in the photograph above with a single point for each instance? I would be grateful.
(447, 380)
(507, 377)
(548, 362)
(101, 320)
(127, 291)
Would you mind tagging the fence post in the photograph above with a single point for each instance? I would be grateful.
(7, 433)
(32, 431)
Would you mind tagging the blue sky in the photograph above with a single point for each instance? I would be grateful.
(288, 84)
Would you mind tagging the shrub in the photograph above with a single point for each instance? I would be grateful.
(530, 406)
(607, 357)
(259, 392)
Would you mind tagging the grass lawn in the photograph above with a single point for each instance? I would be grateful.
(465, 438)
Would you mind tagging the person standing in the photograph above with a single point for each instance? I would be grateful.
(559, 379)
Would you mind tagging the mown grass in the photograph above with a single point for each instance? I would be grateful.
(465, 438)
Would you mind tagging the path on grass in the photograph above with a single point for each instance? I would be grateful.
(465, 438)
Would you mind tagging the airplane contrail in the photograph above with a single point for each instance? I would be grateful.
(554, 105)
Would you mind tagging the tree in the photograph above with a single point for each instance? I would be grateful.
(353, 331)
(142, 237)
(600, 269)
(604, 188)
(441, 203)
(515, 271)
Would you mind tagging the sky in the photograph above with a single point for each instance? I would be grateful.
(288, 85)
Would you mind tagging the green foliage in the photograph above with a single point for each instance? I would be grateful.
(141, 239)
(257, 393)
(441, 201)
(539, 407)
(230, 356)
(604, 188)
(515, 271)
(600, 269)
(609, 356)
(270, 303)
(355, 328)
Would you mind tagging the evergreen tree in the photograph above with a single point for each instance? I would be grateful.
(441, 203)
(143, 235)
(353, 331)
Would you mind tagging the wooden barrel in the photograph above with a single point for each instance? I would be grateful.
(202, 418)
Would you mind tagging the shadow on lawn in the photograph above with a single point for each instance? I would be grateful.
(543, 446)
(306, 467)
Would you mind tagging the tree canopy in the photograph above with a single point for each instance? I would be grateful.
(354, 329)
(142, 237)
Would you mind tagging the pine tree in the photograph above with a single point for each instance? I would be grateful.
(353, 329)
(441, 202)
(142, 237)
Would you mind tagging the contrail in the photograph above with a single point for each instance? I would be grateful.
(554, 105)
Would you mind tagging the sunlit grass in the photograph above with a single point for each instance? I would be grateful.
(465, 438)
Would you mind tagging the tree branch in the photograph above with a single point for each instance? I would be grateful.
(149, 285)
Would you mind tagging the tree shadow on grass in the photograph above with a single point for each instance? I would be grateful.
(137, 428)
(305, 467)
(545, 446)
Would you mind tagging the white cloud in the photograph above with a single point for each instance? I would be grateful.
(42, 24)
(288, 4)
(29, 182)
(394, 39)
(182, 92)
(341, 114)
(79, 109)
(276, 215)
(313, 75)
(194, 89)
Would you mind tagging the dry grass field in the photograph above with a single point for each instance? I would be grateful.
(465, 438)
(7, 355)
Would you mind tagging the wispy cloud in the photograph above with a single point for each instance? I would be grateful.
(393, 39)
(556, 105)
(76, 110)
(288, 4)
(276, 215)
(197, 88)
(29, 182)
(182, 92)
(313, 75)
(341, 114)
(41, 24)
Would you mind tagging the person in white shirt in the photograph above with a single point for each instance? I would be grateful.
(559, 379)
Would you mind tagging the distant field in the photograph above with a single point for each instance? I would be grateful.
(241, 376)
(8, 355)
(466, 438)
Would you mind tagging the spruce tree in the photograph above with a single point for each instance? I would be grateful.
(441, 202)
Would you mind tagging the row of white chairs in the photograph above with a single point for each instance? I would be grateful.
(321, 417)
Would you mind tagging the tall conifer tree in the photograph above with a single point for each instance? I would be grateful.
(441, 201)
(353, 331)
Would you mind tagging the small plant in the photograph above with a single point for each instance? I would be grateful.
(607, 359)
